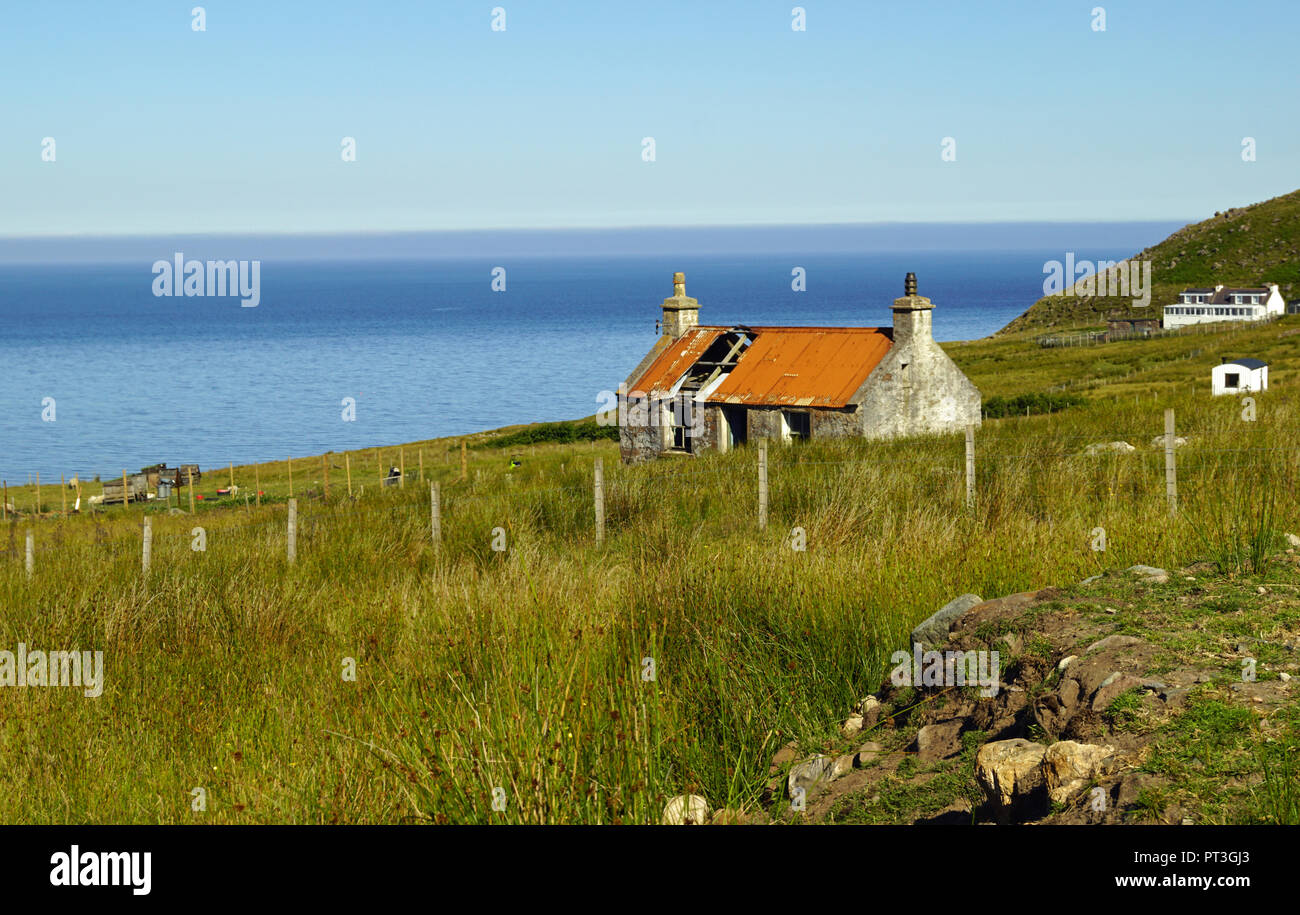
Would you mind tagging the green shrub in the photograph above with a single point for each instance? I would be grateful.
(554, 433)
(999, 407)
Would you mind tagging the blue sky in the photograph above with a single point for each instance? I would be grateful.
(160, 129)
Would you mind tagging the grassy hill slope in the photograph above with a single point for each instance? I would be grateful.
(1243, 246)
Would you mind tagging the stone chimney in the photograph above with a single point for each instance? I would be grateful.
(681, 312)
(912, 316)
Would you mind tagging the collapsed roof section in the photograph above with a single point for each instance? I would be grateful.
(767, 366)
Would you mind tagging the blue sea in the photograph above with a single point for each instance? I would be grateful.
(425, 346)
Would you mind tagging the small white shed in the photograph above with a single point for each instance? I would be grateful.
(1239, 376)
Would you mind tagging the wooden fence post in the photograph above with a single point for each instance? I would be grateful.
(762, 485)
(289, 460)
(293, 531)
(38, 492)
(464, 471)
(189, 475)
(126, 493)
(232, 474)
(31, 554)
(600, 501)
(147, 546)
(970, 466)
(435, 512)
(401, 468)
(1171, 469)
(347, 465)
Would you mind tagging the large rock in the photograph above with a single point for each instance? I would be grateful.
(1069, 767)
(870, 709)
(1149, 574)
(1132, 785)
(1109, 448)
(934, 631)
(1112, 641)
(1111, 688)
(1000, 609)
(1010, 772)
(868, 752)
(810, 774)
(939, 741)
(686, 810)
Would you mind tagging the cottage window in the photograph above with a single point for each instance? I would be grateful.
(1232, 381)
(799, 424)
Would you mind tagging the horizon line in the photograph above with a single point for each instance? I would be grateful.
(331, 233)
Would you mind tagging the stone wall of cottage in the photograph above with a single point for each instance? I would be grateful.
(917, 390)
(765, 422)
(641, 438)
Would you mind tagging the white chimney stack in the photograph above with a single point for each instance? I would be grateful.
(681, 312)
(912, 316)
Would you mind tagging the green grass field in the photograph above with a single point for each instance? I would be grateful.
(526, 669)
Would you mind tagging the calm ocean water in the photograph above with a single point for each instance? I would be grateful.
(426, 348)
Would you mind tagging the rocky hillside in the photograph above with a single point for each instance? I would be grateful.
(1140, 696)
(1244, 246)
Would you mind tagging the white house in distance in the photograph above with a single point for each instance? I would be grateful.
(1204, 306)
(1239, 376)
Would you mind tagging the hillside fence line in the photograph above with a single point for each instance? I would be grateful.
(1099, 337)
(294, 525)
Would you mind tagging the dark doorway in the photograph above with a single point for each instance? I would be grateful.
(684, 415)
(736, 418)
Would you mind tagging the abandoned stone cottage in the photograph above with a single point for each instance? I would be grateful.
(708, 388)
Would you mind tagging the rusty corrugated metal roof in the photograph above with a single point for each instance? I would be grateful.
(783, 366)
(804, 366)
(674, 361)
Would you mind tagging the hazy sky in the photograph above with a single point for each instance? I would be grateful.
(161, 129)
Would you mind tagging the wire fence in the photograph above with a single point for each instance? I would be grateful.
(297, 523)
(1120, 332)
